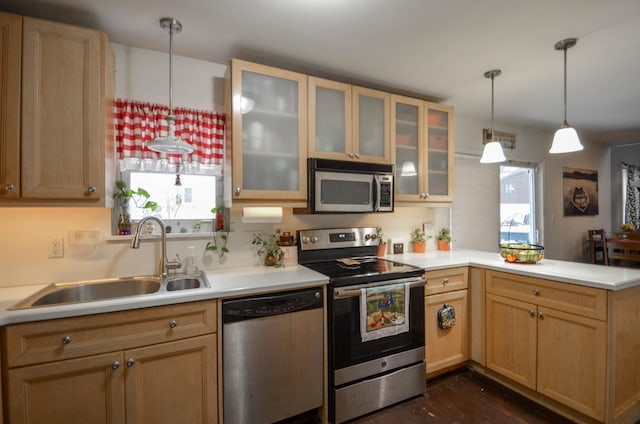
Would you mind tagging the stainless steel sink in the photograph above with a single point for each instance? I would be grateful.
(111, 288)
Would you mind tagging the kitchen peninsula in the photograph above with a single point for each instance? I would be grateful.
(584, 317)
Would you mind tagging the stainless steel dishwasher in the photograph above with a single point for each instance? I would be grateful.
(272, 356)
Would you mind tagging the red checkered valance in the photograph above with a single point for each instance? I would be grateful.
(138, 123)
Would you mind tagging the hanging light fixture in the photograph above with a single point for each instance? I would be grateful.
(492, 152)
(565, 139)
(170, 143)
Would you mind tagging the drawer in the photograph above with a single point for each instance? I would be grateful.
(57, 339)
(446, 280)
(580, 300)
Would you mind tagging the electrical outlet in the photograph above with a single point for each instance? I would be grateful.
(56, 248)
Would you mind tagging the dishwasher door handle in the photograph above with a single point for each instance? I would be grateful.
(344, 293)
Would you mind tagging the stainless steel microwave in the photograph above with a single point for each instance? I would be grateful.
(337, 186)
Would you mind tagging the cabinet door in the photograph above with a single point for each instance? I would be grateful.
(173, 382)
(446, 348)
(511, 339)
(407, 120)
(84, 390)
(330, 128)
(270, 139)
(63, 112)
(439, 153)
(10, 71)
(572, 360)
(371, 118)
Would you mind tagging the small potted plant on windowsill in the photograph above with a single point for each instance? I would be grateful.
(419, 240)
(444, 239)
(382, 245)
(269, 248)
(123, 196)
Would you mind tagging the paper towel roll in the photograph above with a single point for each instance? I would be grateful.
(262, 214)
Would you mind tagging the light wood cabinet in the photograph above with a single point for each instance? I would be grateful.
(149, 365)
(550, 337)
(446, 348)
(348, 122)
(66, 151)
(268, 132)
(423, 138)
(10, 77)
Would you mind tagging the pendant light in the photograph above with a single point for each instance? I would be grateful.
(170, 143)
(492, 152)
(565, 139)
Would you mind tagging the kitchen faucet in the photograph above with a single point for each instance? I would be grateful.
(165, 264)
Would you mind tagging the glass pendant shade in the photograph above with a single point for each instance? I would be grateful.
(492, 153)
(566, 140)
(170, 143)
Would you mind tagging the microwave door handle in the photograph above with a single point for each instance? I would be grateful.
(376, 193)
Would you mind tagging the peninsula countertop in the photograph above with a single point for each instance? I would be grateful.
(233, 282)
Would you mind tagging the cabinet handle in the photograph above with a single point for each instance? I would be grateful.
(237, 190)
(9, 187)
(115, 365)
(540, 315)
(445, 281)
(130, 362)
(357, 155)
(536, 292)
(66, 340)
(173, 323)
(91, 189)
(350, 155)
(531, 313)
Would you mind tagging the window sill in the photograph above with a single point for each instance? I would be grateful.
(170, 236)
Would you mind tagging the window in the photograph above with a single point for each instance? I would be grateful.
(517, 206)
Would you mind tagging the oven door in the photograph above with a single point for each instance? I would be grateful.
(347, 347)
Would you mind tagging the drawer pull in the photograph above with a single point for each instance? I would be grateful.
(66, 340)
(445, 281)
(536, 292)
(531, 313)
(115, 365)
(173, 323)
(130, 362)
(540, 315)
(91, 189)
(9, 187)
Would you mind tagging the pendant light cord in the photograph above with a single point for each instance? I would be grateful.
(491, 125)
(565, 123)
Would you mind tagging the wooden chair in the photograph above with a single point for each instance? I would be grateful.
(623, 252)
(597, 245)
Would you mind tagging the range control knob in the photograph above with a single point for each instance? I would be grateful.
(313, 239)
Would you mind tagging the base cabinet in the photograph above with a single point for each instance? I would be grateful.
(559, 354)
(446, 348)
(156, 365)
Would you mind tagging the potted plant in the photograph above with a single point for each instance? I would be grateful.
(419, 240)
(123, 196)
(220, 236)
(269, 248)
(382, 245)
(444, 239)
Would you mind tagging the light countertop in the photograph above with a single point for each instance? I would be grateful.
(233, 282)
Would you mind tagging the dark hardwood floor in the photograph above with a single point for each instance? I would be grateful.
(463, 397)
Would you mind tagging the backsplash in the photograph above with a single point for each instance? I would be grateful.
(27, 233)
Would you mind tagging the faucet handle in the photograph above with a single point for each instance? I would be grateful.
(177, 264)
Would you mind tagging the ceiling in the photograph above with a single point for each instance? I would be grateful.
(434, 49)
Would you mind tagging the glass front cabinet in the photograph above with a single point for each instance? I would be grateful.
(348, 122)
(268, 132)
(423, 139)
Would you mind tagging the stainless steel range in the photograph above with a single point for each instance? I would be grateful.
(375, 321)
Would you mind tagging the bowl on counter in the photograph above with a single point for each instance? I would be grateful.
(521, 253)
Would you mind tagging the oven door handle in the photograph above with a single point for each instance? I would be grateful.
(340, 293)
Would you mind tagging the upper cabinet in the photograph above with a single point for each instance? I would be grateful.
(268, 109)
(64, 152)
(348, 122)
(423, 140)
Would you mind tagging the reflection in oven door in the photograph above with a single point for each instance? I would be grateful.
(363, 370)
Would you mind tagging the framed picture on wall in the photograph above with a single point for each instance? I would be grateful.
(580, 192)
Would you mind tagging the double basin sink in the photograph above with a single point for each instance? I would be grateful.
(57, 294)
